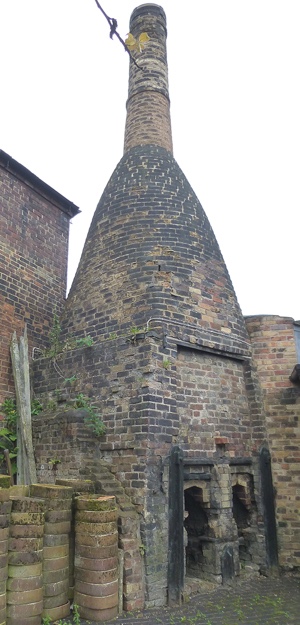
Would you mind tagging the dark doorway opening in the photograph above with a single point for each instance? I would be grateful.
(197, 531)
(242, 516)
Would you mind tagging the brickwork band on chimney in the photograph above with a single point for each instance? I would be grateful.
(148, 105)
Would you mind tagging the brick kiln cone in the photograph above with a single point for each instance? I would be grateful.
(150, 251)
(181, 403)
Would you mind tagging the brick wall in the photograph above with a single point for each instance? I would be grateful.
(274, 353)
(127, 382)
(148, 394)
(213, 405)
(33, 259)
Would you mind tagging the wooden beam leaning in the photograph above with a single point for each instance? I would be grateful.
(20, 363)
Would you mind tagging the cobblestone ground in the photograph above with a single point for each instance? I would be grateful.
(263, 601)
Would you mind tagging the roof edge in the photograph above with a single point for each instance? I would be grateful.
(25, 175)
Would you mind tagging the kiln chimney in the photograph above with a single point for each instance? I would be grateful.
(150, 251)
(148, 105)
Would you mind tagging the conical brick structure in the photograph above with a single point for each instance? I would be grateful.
(169, 368)
(150, 251)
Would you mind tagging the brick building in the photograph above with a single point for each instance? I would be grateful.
(201, 406)
(34, 226)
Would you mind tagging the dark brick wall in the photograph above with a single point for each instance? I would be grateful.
(33, 266)
(151, 252)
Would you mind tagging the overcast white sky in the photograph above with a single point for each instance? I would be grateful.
(235, 107)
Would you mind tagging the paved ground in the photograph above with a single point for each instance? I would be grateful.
(263, 601)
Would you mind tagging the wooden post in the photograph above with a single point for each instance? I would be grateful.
(7, 458)
(25, 461)
(176, 518)
(268, 508)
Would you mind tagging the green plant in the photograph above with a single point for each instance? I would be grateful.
(71, 380)
(142, 549)
(54, 337)
(113, 335)
(207, 620)
(76, 616)
(72, 343)
(51, 405)
(134, 330)
(81, 401)
(54, 462)
(10, 410)
(166, 363)
(57, 346)
(75, 621)
(85, 341)
(36, 407)
(8, 441)
(92, 419)
(8, 434)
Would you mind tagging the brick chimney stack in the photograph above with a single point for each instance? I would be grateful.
(148, 105)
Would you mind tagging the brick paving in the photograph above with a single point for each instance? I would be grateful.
(263, 601)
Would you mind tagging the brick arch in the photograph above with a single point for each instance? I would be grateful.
(241, 486)
(203, 496)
